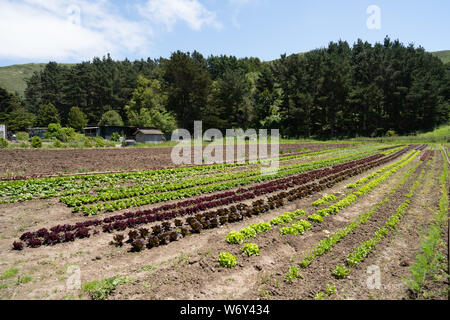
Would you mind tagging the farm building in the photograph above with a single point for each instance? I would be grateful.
(149, 136)
(141, 135)
(106, 131)
(40, 132)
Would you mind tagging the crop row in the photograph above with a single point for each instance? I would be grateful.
(375, 174)
(351, 198)
(194, 191)
(324, 200)
(427, 154)
(361, 252)
(134, 219)
(69, 185)
(219, 217)
(299, 227)
(19, 184)
(235, 237)
(116, 194)
(214, 219)
(72, 185)
(422, 147)
(426, 264)
(327, 244)
(295, 229)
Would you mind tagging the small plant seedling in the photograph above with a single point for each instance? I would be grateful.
(341, 271)
(251, 249)
(227, 260)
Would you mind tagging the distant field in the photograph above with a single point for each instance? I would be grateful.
(443, 131)
(439, 135)
(443, 55)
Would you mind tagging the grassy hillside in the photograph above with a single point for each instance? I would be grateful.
(12, 78)
(439, 135)
(443, 131)
(443, 55)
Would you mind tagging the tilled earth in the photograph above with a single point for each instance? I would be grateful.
(26, 162)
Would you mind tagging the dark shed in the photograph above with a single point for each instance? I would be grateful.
(149, 136)
(106, 131)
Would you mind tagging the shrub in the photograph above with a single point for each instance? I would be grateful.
(99, 143)
(111, 118)
(115, 136)
(53, 130)
(77, 119)
(57, 144)
(36, 142)
(227, 260)
(3, 143)
(391, 133)
(62, 134)
(88, 143)
(22, 136)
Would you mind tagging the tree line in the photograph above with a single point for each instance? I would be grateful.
(334, 92)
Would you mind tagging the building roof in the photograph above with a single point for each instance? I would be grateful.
(149, 131)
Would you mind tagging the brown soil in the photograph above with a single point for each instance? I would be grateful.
(25, 162)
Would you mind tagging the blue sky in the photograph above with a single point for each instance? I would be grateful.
(77, 30)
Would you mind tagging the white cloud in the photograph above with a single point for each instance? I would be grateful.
(169, 12)
(59, 30)
(237, 5)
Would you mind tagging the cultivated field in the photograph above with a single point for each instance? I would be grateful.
(336, 221)
(27, 162)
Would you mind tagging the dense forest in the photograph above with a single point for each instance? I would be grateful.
(337, 91)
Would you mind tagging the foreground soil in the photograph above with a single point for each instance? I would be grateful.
(25, 162)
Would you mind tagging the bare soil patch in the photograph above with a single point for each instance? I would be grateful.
(53, 161)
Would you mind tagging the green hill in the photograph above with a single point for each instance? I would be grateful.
(12, 78)
(444, 55)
